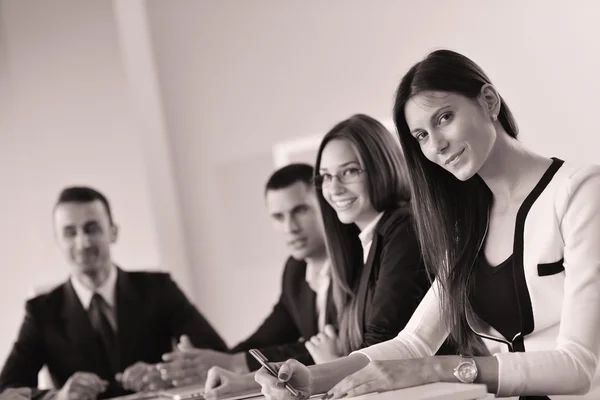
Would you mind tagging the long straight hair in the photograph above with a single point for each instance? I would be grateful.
(451, 215)
(387, 186)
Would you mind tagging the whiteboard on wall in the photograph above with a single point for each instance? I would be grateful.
(304, 149)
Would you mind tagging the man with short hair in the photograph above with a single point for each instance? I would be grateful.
(304, 307)
(104, 328)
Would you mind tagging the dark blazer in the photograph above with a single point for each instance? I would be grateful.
(151, 313)
(292, 321)
(393, 281)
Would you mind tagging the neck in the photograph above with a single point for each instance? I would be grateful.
(503, 171)
(318, 260)
(93, 279)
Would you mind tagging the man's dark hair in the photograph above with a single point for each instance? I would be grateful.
(290, 174)
(83, 194)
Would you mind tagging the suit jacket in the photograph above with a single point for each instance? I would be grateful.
(293, 320)
(394, 280)
(151, 312)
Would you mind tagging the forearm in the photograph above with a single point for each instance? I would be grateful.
(325, 376)
(442, 369)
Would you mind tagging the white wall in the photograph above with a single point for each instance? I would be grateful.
(63, 85)
(233, 78)
(237, 77)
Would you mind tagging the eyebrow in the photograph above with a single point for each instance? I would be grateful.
(342, 165)
(433, 117)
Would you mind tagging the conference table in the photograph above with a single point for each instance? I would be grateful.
(434, 391)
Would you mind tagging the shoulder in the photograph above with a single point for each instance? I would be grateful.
(395, 221)
(142, 279)
(575, 178)
(572, 174)
(294, 270)
(46, 299)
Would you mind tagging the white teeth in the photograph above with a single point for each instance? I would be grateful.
(343, 203)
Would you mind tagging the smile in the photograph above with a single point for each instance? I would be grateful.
(454, 158)
(342, 205)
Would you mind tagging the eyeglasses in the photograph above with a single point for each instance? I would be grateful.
(348, 175)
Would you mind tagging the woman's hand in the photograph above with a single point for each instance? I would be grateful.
(293, 372)
(323, 347)
(381, 376)
(221, 383)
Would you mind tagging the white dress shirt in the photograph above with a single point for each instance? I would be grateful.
(107, 290)
(318, 279)
(366, 236)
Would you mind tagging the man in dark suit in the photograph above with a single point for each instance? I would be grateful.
(305, 305)
(103, 329)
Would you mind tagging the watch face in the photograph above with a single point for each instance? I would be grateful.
(467, 372)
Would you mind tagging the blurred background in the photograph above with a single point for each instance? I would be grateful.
(178, 110)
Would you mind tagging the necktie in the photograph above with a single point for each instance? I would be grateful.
(104, 330)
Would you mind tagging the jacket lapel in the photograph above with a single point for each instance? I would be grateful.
(307, 301)
(331, 312)
(130, 308)
(363, 286)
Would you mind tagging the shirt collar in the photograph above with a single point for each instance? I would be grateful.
(366, 235)
(315, 274)
(106, 290)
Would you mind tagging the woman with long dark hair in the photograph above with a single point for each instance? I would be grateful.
(378, 275)
(378, 278)
(513, 240)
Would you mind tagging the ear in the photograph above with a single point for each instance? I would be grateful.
(114, 233)
(489, 99)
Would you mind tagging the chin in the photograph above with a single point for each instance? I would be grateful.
(299, 255)
(346, 218)
(464, 173)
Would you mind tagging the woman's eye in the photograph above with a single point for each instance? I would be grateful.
(445, 117)
(350, 172)
(421, 135)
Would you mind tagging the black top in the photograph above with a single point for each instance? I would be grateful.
(494, 298)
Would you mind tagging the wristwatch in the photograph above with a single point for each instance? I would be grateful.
(466, 370)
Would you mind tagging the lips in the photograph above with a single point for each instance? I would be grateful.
(345, 204)
(454, 157)
(296, 243)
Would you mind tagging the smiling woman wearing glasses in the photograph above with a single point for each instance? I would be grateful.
(378, 277)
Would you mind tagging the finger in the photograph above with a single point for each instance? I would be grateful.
(315, 340)
(264, 378)
(133, 376)
(213, 378)
(185, 381)
(185, 343)
(82, 391)
(367, 387)
(151, 376)
(171, 356)
(330, 332)
(287, 369)
(349, 384)
(322, 337)
(173, 374)
(310, 347)
(188, 354)
(89, 380)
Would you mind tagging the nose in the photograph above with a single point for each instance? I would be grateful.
(335, 187)
(291, 225)
(82, 241)
(438, 143)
